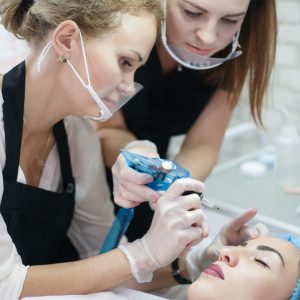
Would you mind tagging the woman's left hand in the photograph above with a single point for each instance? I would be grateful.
(129, 186)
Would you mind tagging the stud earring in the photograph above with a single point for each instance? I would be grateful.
(62, 59)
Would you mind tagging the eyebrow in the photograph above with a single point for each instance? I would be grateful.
(267, 248)
(203, 9)
(139, 56)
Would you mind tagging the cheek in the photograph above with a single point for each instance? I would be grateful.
(177, 28)
(104, 72)
(225, 37)
(207, 288)
(260, 285)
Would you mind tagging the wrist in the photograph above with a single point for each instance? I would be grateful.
(142, 147)
(179, 271)
(140, 261)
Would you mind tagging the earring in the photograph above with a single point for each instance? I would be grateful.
(62, 59)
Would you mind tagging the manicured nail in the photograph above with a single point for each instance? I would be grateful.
(148, 178)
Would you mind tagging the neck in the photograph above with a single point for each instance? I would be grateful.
(168, 64)
(41, 106)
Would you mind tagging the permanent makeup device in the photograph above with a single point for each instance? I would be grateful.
(164, 173)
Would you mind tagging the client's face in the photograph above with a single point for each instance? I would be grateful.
(265, 268)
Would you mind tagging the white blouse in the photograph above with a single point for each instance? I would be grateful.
(93, 213)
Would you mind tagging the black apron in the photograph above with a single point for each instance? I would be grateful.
(37, 220)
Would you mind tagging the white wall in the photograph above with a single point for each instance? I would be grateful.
(284, 89)
(12, 50)
(286, 85)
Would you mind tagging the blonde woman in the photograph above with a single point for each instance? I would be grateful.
(55, 205)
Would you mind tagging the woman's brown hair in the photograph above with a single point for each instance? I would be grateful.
(258, 40)
(33, 21)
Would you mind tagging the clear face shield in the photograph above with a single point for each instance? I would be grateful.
(191, 60)
(107, 104)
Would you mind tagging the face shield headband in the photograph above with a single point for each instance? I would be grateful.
(106, 110)
(191, 60)
(296, 243)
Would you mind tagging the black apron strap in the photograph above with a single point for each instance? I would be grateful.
(64, 156)
(13, 84)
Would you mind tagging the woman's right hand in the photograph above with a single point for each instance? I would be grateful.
(129, 186)
(178, 222)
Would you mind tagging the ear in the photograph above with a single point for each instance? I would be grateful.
(62, 38)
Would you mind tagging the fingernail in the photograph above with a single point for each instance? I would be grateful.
(148, 178)
(154, 197)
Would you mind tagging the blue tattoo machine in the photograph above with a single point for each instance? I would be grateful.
(164, 173)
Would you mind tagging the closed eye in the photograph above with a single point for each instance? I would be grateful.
(192, 14)
(126, 62)
(229, 21)
(262, 263)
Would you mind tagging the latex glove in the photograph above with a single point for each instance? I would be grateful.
(129, 185)
(234, 233)
(177, 223)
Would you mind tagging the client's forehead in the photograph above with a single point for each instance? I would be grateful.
(289, 252)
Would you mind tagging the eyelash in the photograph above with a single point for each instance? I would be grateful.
(199, 14)
(261, 262)
(126, 63)
(192, 14)
(229, 22)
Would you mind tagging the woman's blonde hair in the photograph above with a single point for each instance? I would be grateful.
(94, 17)
(258, 39)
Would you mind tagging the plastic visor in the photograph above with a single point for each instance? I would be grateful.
(191, 60)
(106, 107)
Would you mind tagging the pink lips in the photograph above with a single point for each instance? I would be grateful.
(199, 51)
(214, 270)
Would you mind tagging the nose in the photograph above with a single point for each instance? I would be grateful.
(229, 255)
(207, 34)
(127, 88)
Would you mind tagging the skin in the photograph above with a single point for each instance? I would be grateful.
(251, 272)
(195, 25)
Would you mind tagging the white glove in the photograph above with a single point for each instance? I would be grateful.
(234, 233)
(129, 185)
(178, 222)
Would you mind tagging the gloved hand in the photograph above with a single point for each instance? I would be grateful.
(234, 233)
(129, 185)
(177, 223)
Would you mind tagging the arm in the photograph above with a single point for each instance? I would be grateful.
(12, 271)
(95, 274)
(201, 146)
(114, 135)
(138, 259)
(162, 278)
